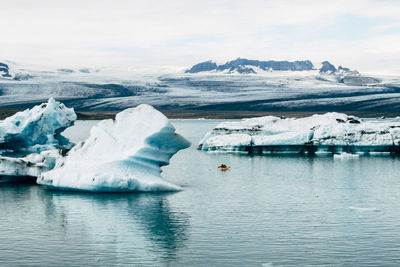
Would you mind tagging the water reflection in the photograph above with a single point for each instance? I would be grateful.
(166, 227)
(123, 223)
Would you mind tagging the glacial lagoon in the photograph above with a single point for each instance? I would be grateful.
(265, 211)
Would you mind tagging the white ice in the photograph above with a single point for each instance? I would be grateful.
(31, 165)
(37, 129)
(345, 155)
(364, 208)
(124, 154)
(330, 129)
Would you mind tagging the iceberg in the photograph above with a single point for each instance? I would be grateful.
(37, 129)
(119, 155)
(333, 133)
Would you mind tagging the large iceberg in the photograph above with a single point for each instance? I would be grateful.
(37, 129)
(124, 154)
(328, 133)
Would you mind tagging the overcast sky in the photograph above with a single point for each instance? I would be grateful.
(363, 34)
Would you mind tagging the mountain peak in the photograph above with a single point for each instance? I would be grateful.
(203, 66)
(250, 66)
(245, 66)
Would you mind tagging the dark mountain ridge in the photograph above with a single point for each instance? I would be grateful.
(245, 66)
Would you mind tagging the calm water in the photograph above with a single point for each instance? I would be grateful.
(265, 211)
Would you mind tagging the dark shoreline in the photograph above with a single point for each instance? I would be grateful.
(212, 114)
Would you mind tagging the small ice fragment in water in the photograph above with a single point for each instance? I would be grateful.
(345, 155)
(364, 208)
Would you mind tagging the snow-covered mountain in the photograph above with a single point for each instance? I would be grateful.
(246, 66)
(251, 85)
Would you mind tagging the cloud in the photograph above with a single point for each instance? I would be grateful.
(183, 32)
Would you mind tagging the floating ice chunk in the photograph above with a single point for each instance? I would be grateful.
(121, 155)
(37, 129)
(32, 165)
(364, 208)
(345, 155)
(330, 132)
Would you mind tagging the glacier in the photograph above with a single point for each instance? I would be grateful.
(333, 133)
(37, 129)
(120, 155)
(226, 92)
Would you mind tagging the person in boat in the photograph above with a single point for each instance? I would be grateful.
(223, 167)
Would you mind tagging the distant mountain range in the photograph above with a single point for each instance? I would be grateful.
(245, 85)
(237, 66)
(247, 66)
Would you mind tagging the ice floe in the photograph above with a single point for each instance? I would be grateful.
(31, 165)
(364, 208)
(345, 155)
(124, 154)
(328, 133)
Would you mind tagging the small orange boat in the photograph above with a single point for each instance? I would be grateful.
(223, 167)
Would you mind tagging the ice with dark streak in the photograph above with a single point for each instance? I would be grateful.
(124, 154)
(328, 133)
(32, 165)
